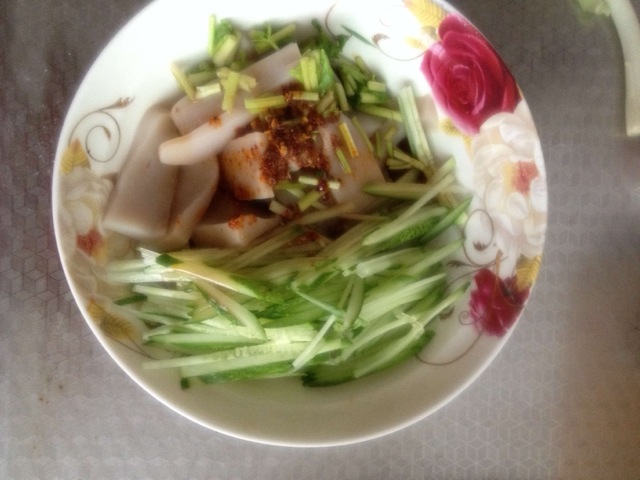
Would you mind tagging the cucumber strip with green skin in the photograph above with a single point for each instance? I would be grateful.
(203, 340)
(292, 320)
(438, 187)
(312, 347)
(319, 216)
(248, 357)
(208, 256)
(128, 265)
(300, 309)
(161, 301)
(448, 220)
(324, 375)
(347, 240)
(159, 318)
(204, 312)
(273, 369)
(294, 333)
(320, 303)
(128, 300)
(329, 292)
(370, 334)
(435, 295)
(232, 360)
(356, 300)
(209, 329)
(250, 287)
(385, 261)
(281, 272)
(404, 347)
(274, 243)
(445, 303)
(178, 311)
(218, 321)
(411, 120)
(403, 230)
(149, 274)
(268, 370)
(162, 329)
(400, 191)
(382, 302)
(239, 312)
(382, 112)
(433, 257)
(167, 293)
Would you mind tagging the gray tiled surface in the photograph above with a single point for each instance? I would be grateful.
(562, 401)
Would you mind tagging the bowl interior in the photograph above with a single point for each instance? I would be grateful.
(500, 162)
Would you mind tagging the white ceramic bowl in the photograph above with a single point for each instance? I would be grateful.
(479, 116)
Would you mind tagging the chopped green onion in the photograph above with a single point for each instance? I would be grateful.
(277, 208)
(307, 63)
(304, 96)
(207, 90)
(359, 61)
(309, 199)
(341, 95)
(413, 124)
(230, 90)
(183, 81)
(264, 103)
(362, 133)
(334, 184)
(223, 42)
(382, 112)
(211, 42)
(342, 158)
(348, 140)
(327, 102)
(375, 86)
(309, 180)
(226, 50)
(245, 82)
(202, 77)
(372, 98)
(325, 214)
(406, 158)
(265, 39)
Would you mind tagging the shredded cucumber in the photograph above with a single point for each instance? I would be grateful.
(348, 307)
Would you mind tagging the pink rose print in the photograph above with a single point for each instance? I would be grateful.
(495, 302)
(467, 77)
